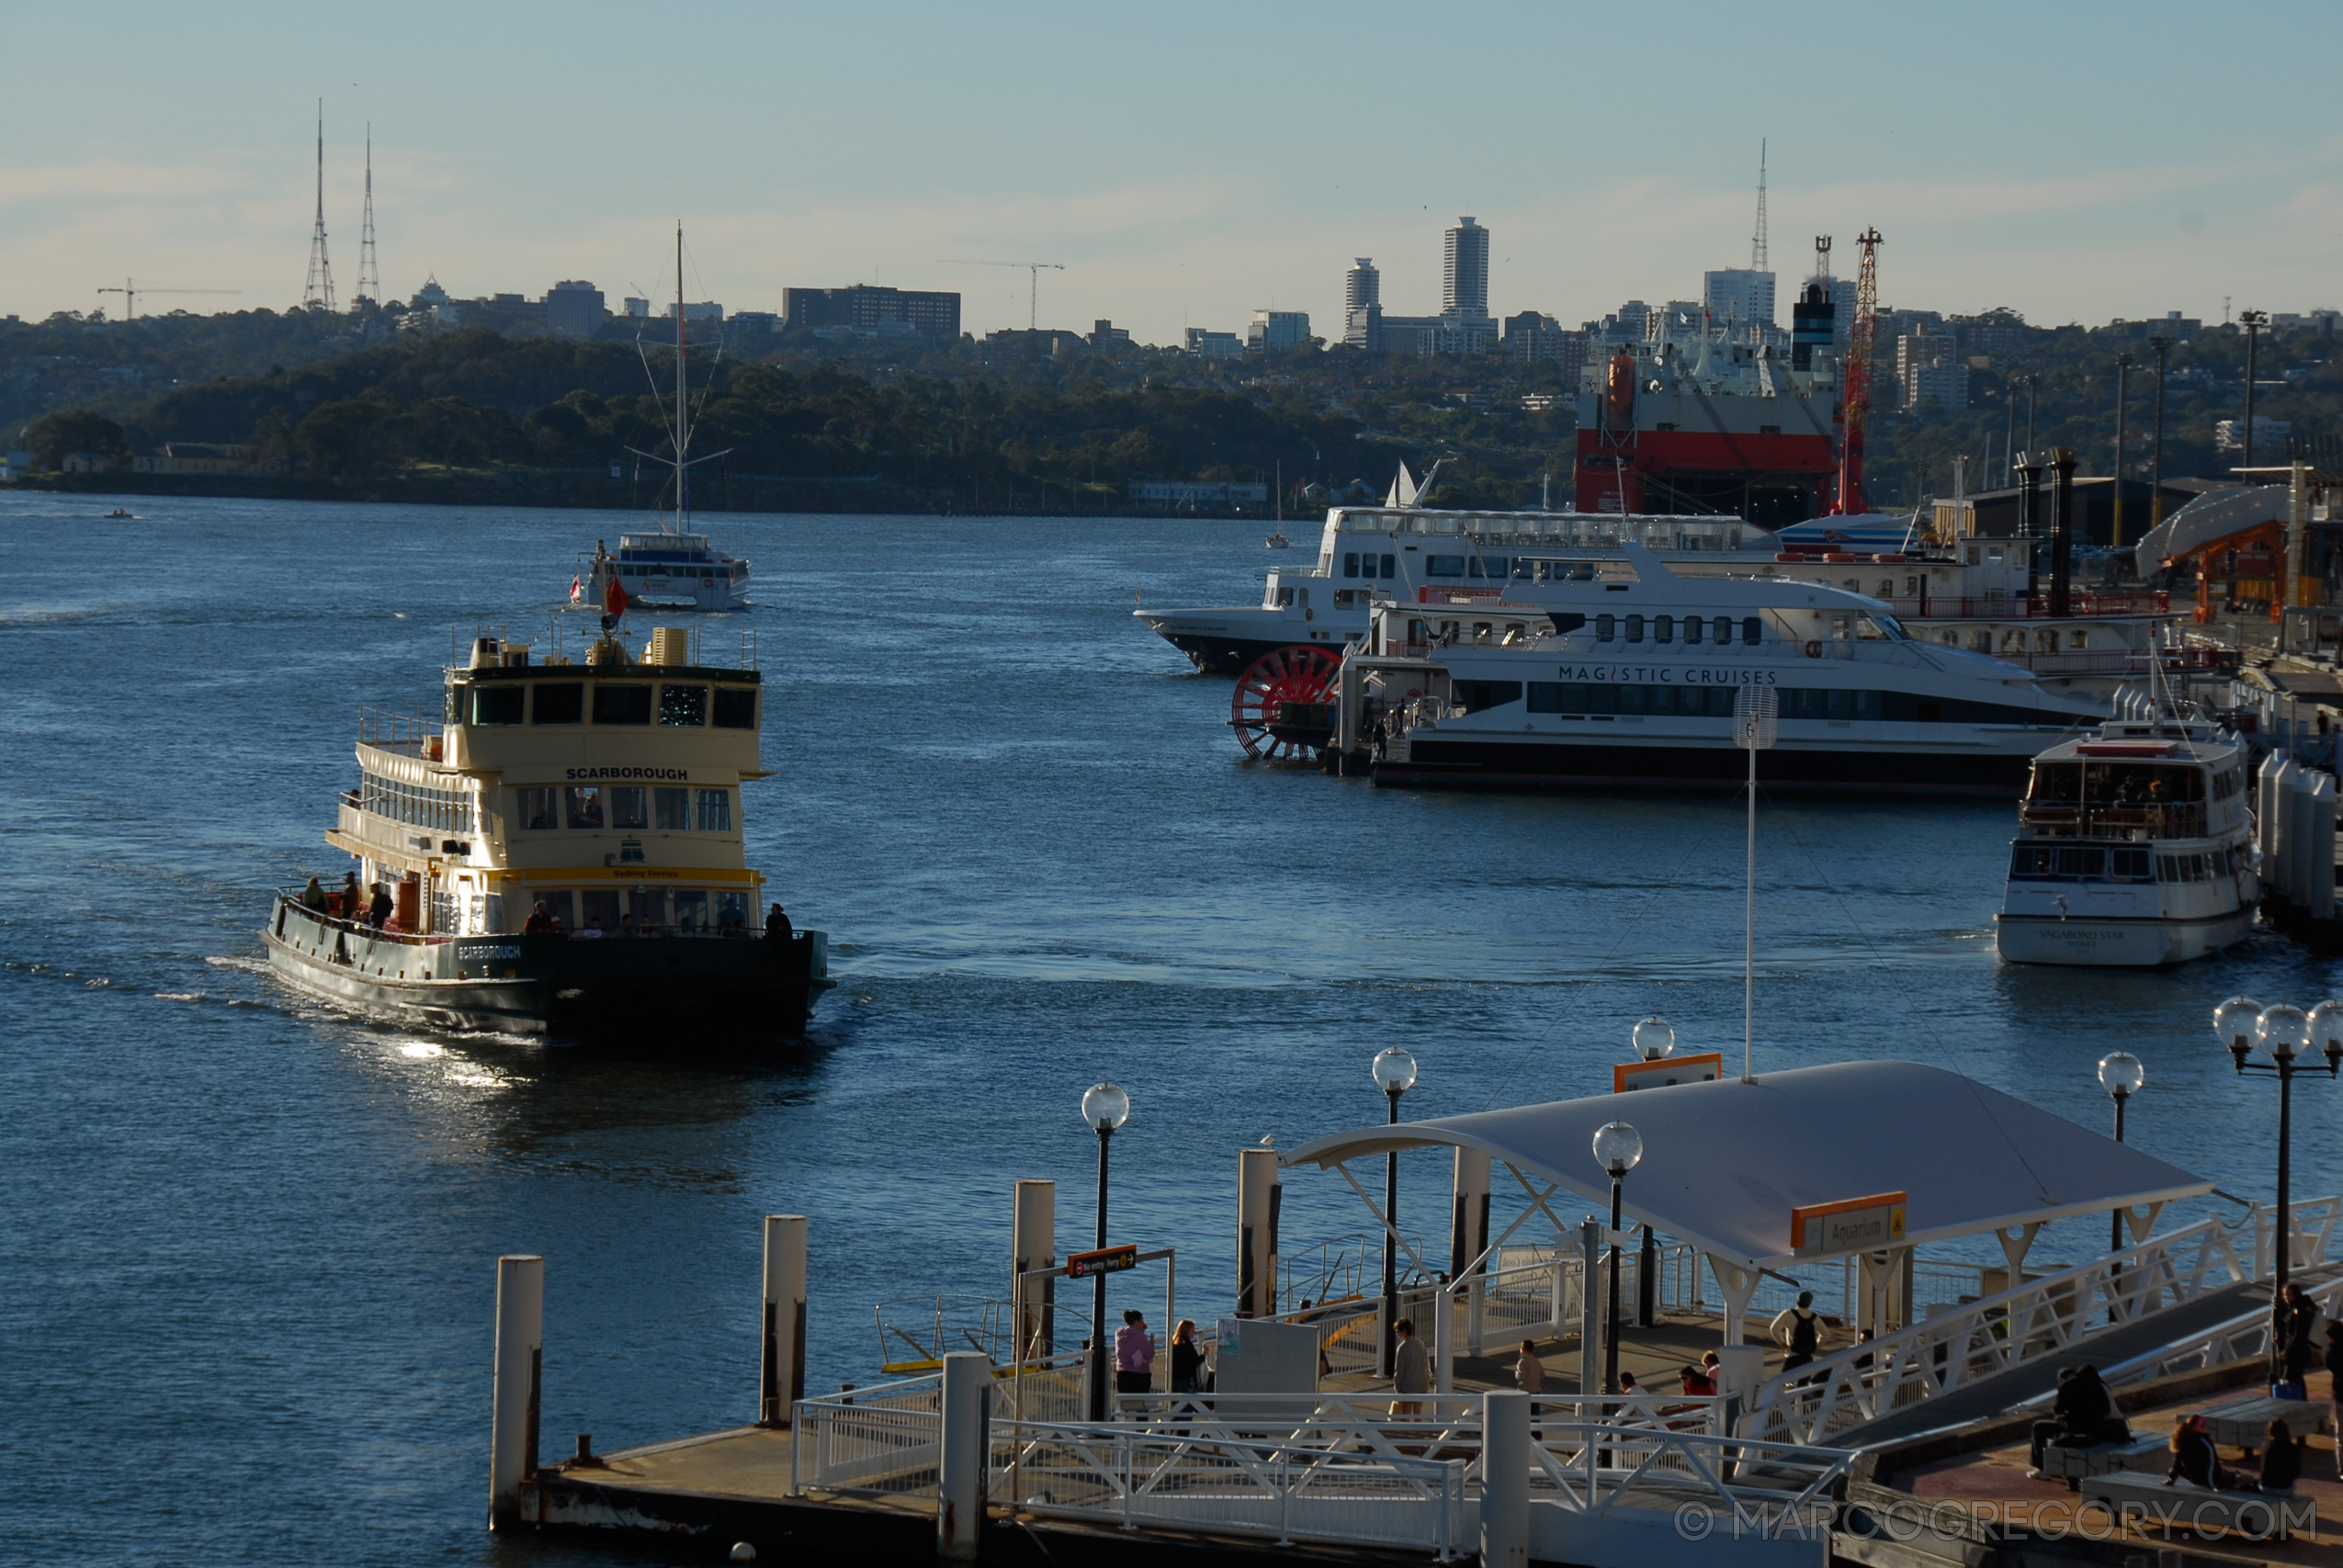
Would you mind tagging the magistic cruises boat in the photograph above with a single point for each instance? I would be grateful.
(1631, 679)
(1977, 595)
(561, 853)
(2134, 848)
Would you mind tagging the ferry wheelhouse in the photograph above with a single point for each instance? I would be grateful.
(2134, 849)
(562, 852)
(1626, 672)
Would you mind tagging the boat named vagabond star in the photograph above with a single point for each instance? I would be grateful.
(562, 854)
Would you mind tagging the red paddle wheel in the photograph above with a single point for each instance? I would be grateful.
(1282, 708)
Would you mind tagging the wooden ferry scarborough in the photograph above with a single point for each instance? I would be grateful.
(560, 853)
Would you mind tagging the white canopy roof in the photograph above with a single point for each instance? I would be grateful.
(2213, 516)
(1725, 1162)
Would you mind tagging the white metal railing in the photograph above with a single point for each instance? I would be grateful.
(2245, 1338)
(884, 1439)
(1751, 1489)
(2046, 1316)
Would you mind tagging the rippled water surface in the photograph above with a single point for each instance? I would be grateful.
(247, 1243)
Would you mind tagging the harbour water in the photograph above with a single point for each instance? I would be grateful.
(246, 1265)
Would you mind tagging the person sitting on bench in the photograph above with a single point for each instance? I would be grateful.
(2193, 1460)
(2083, 1415)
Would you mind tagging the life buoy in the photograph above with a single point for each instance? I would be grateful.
(1814, 649)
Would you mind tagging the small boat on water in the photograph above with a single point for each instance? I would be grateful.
(2134, 847)
(562, 854)
(1278, 541)
(121, 512)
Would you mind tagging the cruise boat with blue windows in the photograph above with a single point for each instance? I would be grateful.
(560, 853)
(1624, 672)
(2134, 848)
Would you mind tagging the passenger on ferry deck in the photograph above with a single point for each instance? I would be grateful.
(777, 924)
(593, 931)
(351, 899)
(626, 924)
(313, 896)
(378, 911)
(538, 920)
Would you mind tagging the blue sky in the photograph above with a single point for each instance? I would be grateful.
(1186, 162)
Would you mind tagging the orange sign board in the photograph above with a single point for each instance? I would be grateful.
(1106, 1261)
(1705, 1067)
(1851, 1225)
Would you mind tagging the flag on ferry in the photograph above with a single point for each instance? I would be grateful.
(614, 596)
(577, 590)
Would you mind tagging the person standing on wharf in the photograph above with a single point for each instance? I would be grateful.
(1134, 1354)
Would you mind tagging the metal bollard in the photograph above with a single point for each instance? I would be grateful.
(1505, 1479)
(964, 1454)
(518, 1387)
(781, 1360)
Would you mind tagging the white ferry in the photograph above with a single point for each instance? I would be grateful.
(1976, 595)
(676, 569)
(561, 852)
(2134, 849)
(1625, 672)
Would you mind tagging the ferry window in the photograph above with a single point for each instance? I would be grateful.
(2129, 864)
(476, 922)
(1391, 566)
(736, 707)
(621, 704)
(1565, 621)
(1634, 628)
(1349, 563)
(533, 808)
(1444, 566)
(585, 805)
(1693, 626)
(1752, 631)
(1606, 626)
(497, 704)
(731, 911)
(2032, 861)
(628, 809)
(672, 810)
(683, 707)
(715, 810)
(1663, 629)
(559, 702)
(691, 910)
(598, 903)
(2167, 868)
(1479, 694)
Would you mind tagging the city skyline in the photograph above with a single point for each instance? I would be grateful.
(2126, 191)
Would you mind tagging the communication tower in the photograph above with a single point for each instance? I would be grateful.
(369, 272)
(1859, 341)
(318, 293)
(1757, 241)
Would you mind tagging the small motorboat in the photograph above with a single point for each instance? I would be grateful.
(1279, 542)
(120, 511)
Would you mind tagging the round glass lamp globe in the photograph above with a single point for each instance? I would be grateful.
(2121, 1074)
(1394, 1070)
(1618, 1147)
(1105, 1106)
(2234, 1020)
(2282, 1030)
(1654, 1038)
(2327, 1027)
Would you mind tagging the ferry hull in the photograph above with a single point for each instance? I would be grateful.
(2101, 943)
(723, 990)
(1532, 765)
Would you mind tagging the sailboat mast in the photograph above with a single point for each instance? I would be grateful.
(683, 405)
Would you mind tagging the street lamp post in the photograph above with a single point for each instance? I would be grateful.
(2253, 321)
(1654, 1038)
(2124, 363)
(1394, 1074)
(1105, 1107)
(1617, 1148)
(2281, 1030)
(2121, 1074)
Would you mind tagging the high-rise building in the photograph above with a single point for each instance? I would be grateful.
(1363, 305)
(1740, 295)
(1213, 346)
(1276, 331)
(1928, 370)
(574, 309)
(871, 308)
(1464, 271)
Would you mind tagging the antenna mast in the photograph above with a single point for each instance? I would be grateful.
(683, 400)
(369, 273)
(1757, 241)
(1856, 394)
(319, 292)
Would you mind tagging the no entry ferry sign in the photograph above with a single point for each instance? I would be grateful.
(1852, 1225)
(1106, 1261)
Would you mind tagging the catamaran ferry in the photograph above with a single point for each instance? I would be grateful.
(1631, 677)
(674, 569)
(560, 852)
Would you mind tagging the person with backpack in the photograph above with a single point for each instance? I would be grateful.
(1798, 1329)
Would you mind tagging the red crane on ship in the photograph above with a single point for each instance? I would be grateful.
(1860, 337)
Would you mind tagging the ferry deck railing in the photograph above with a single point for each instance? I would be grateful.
(2049, 1314)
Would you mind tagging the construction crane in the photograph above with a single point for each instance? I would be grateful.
(129, 291)
(1033, 305)
(1860, 337)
